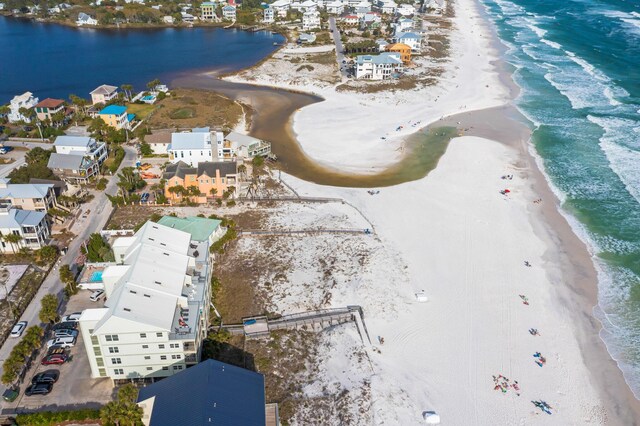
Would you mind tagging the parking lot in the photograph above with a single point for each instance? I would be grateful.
(75, 388)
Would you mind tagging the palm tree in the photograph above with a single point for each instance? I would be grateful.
(80, 105)
(153, 84)
(242, 169)
(127, 88)
(27, 114)
(12, 239)
(213, 192)
(178, 191)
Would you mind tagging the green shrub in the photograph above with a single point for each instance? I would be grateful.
(48, 418)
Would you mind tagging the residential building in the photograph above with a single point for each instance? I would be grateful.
(212, 179)
(378, 67)
(38, 197)
(413, 40)
(370, 21)
(31, 226)
(191, 147)
(84, 19)
(75, 169)
(304, 38)
(310, 20)
(45, 109)
(103, 94)
(335, 8)
(236, 146)
(168, 19)
(350, 20)
(382, 45)
(405, 10)
(200, 228)
(281, 7)
(268, 15)
(214, 392)
(229, 12)
(187, 17)
(156, 313)
(83, 146)
(403, 50)
(387, 7)
(403, 25)
(208, 11)
(362, 8)
(304, 6)
(116, 116)
(26, 100)
(159, 141)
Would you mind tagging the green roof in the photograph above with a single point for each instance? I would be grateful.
(200, 228)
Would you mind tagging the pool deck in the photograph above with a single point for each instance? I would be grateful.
(87, 273)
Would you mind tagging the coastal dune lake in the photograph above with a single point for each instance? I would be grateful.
(52, 60)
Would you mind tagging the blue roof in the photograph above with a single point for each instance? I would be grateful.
(130, 117)
(114, 109)
(211, 392)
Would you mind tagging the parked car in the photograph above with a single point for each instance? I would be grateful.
(96, 295)
(10, 394)
(63, 342)
(74, 317)
(18, 329)
(54, 359)
(39, 389)
(65, 333)
(67, 325)
(49, 376)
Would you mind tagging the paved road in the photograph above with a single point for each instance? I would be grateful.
(29, 145)
(335, 33)
(5, 169)
(100, 209)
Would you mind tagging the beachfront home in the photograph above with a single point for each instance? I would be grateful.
(31, 227)
(215, 393)
(310, 20)
(39, 197)
(168, 19)
(378, 67)
(191, 147)
(81, 145)
(116, 116)
(238, 147)
(229, 13)
(156, 312)
(84, 19)
(48, 107)
(269, 15)
(281, 7)
(187, 17)
(26, 100)
(212, 179)
(335, 8)
(402, 49)
(103, 94)
(413, 40)
(208, 11)
(200, 228)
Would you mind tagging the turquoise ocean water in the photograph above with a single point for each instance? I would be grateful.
(578, 65)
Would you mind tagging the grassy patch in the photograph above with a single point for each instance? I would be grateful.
(182, 113)
(141, 111)
(305, 67)
(325, 58)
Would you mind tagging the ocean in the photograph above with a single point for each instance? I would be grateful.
(577, 63)
(52, 60)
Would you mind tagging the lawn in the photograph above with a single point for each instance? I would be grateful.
(141, 111)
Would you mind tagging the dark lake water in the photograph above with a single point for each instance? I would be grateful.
(53, 61)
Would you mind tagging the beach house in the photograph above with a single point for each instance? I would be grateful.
(81, 145)
(403, 25)
(156, 313)
(212, 179)
(74, 169)
(378, 67)
(208, 11)
(26, 100)
(229, 13)
(191, 147)
(281, 7)
(370, 20)
(84, 19)
(387, 7)
(103, 94)
(31, 229)
(310, 20)
(268, 15)
(39, 197)
(335, 8)
(222, 394)
(238, 147)
(350, 20)
(47, 108)
(116, 116)
(402, 49)
(413, 40)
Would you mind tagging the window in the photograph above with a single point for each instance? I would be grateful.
(94, 340)
(118, 371)
(100, 362)
(116, 361)
(149, 368)
(177, 367)
(114, 350)
(96, 350)
(159, 334)
(176, 356)
(174, 345)
(102, 372)
(147, 357)
(143, 335)
(133, 292)
(160, 346)
(111, 337)
(145, 346)
(165, 368)
(163, 357)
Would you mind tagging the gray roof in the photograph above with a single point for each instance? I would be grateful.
(383, 58)
(211, 392)
(105, 89)
(25, 190)
(179, 169)
(409, 35)
(225, 167)
(65, 161)
(82, 141)
(241, 139)
(16, 218)
(196, 140)
(200, 130)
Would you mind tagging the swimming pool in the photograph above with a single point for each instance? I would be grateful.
(148, 98)
(96, 277)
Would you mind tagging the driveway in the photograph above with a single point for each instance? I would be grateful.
(100, 209)
(335, 33)
(19, 160)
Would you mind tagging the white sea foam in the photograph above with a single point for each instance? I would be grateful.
(551, 43)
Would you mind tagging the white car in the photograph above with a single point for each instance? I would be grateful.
(74, 317)
(63, 342)
(18, 329)
(96, 295)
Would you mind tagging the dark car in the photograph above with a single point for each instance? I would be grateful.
(54, 359)
(10, 394)
(67, 325)
(39, 389)
(49, 376)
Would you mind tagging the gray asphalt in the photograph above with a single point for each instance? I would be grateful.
(339, 49)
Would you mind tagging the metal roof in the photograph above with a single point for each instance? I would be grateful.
(198, 140)
(200, 228)
(83, 141)
(114, 109)
(209, 393)
(25, 190)
(65, 161)
(105, 89)
(16, 218)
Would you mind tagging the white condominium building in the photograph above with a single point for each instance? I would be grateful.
(156, 312)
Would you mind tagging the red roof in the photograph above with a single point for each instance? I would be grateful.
(50, 103)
